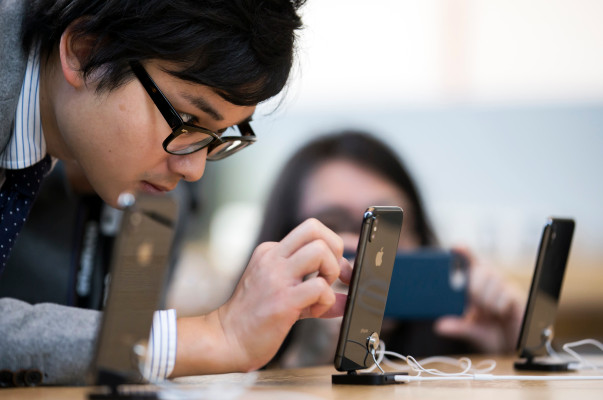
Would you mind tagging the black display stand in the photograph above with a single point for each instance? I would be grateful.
(545, 363)
(353, 377)
(113, 386)
(529, 364)
(122, 396)
(365, 378)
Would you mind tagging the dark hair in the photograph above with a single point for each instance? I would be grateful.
(359, 147)
(243, 49)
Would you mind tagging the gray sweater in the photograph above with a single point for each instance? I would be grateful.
(57, 340)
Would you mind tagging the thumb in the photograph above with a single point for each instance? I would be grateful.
(453, 327)
(483, 336)
(338, 308)
(464, 329)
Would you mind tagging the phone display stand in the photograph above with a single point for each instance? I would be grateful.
(367, 378)
(115, 386)
(545, 363)
(529, 364)
(111, 386)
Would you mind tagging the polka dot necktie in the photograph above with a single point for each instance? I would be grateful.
(17, 194)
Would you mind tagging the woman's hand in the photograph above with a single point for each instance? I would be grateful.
(494, 314)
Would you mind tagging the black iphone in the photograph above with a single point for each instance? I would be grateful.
(541, 309)
(367, 295)
(137, 278)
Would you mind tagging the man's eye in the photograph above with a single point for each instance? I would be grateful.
(189, 119)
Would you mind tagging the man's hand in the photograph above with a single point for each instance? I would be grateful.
(283, 282)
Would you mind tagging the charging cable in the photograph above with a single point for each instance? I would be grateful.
(412, 365)
(576, 361)
(582, 362)
(490, 377)
(479, 372)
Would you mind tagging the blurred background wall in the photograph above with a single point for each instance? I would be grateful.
(496, 107)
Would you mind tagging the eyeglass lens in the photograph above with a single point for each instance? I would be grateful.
(189, 140)
(228, 147)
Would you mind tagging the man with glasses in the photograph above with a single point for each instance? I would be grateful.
(187, 138)
(138, 95)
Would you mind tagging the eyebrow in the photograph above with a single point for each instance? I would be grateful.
(204, 106)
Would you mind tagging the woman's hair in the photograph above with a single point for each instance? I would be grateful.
(243, 49)
(360, 148)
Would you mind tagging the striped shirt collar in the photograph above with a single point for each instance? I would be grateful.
(26, 146)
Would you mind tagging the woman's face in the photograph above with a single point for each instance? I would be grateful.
(338, 193)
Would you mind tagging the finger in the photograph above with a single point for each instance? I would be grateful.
(505, 301)
(260, 251)
(308, 231)
(315, 256)
(338, 308)
(491, 293)
(466, 253)
(509, 301)
(481, 286)
(345, 274)
(314, 297)
(453, 327)
(496, 297)
(477, 279)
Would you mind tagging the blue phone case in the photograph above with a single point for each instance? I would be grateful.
(427, 284)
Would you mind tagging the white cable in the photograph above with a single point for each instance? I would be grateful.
(551, 351)
(376, 362)
(475, 373)
(575, 360)
(417, 366)
(582, 362)
(379, 359)
(490, 377)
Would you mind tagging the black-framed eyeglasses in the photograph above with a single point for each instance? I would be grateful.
(187, 138)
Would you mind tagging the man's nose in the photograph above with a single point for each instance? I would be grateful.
(190, 166)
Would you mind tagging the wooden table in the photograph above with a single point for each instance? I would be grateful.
(315, 383)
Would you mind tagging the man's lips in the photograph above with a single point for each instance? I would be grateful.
(155, 188)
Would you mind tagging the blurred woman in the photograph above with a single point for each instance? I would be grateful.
(334, 179)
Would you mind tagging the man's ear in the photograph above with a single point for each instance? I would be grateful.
(73, 51)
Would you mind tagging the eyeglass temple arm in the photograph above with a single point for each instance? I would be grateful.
(245, 128)
(162, 103)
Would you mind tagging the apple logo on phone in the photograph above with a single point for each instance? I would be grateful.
(379, 258)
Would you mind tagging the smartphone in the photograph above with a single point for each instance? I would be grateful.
(138, 270)
(543, 300)
(367, 295)
(427, 284)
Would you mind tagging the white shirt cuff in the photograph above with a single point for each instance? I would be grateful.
(161, 351)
